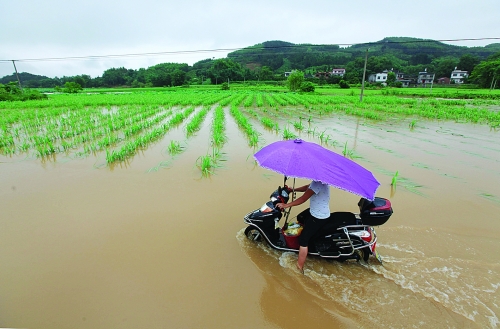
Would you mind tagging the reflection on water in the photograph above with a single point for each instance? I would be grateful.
(85, 245)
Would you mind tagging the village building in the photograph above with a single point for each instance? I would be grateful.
(458, 76)
(338, 72)
(424, 78)
(378, 77)
(322, 74)
(443, 81)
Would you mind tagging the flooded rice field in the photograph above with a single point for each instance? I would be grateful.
(151, 242)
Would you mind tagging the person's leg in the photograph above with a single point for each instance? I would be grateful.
(302, 258)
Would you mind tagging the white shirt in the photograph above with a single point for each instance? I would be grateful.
(320, 200)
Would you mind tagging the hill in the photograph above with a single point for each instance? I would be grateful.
(270, 59)
(283, 56)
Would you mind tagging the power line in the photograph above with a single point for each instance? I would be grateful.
(240, 48)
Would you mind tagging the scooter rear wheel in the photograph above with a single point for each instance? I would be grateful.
(363, 254)
(253, 234)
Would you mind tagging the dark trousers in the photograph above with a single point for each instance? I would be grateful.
(311, 225)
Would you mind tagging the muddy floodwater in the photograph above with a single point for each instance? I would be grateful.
(84, 245)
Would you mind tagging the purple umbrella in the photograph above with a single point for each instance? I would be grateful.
(301, 159)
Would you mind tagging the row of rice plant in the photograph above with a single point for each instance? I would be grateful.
(130, 148)
(92, 123)
(242, 121)
(207, 163)
(67, 132)
(195, 124)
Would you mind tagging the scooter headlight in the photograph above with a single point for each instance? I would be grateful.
(265, 208)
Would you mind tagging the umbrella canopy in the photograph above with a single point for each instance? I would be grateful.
(301, 159)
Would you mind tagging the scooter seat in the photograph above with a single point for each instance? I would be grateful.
(336, 220)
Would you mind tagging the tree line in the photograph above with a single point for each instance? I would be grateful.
(270, 60)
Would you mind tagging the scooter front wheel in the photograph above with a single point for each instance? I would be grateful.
(253, 234)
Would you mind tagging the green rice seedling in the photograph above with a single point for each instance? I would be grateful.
(253, 113)
(412, 124)
(218, 127)
(8, 150)
(206, 163)
(23, 147)
(253, 140)
(394, 181)
(174, 147)
(298, 125)
(312, 132)
(243, 123)
(259, 100)
(347, 152)
(287, 134)
(45, 149)
(490, 197)
(196, 122)
(270, 100)
(323, 136)
(248, 100)
(270, 124)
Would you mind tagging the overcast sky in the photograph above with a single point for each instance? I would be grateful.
(54, 28)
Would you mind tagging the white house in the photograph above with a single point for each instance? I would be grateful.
(425, 78)
(378, 77)
(458, 76)
(338, 72)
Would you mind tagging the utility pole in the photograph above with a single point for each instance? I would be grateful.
(492, 86)
(17, 75)
(364, 75)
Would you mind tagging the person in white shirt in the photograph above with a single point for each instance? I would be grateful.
(316, 217)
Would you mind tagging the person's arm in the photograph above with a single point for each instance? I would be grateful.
(303, 198)
(301, 189)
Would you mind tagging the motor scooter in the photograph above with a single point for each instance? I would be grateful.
(346, 236)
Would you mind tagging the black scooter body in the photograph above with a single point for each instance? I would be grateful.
(344, 237)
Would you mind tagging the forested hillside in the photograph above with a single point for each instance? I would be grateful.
(268, 61)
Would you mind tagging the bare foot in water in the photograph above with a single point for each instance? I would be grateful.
(301, 270)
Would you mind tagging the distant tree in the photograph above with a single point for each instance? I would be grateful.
(12, 92)
(178, 77)
(354, 70)
(343, 84)
(166, 74)
(114, 76)
(467, 62)
(266, 74)
(487, 72)
(333, 79)
(307, 87)
(420, 58)
(443, 66)
(391, 78)
(294, 80)
(224, 69)
(72, 87)
(377, 64)
(48, 83)
(80, 80)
